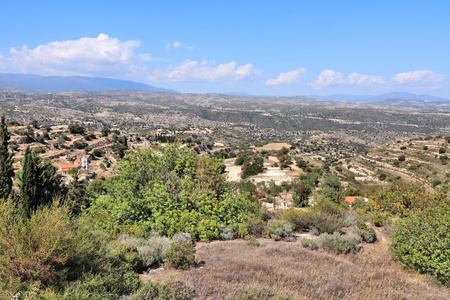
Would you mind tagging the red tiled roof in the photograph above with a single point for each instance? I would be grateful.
(66, 168)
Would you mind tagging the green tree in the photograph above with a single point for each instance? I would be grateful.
(171, 190)
(38, 182)
(6, 161)
(422, 241)
(78, 196)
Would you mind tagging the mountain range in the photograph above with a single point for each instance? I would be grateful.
(378, 98)
(56, 84)
(26, 83)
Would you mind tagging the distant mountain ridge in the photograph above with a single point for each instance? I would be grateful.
(56, 84)
(380, 98)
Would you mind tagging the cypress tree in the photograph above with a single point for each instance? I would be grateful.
(6, 161)
(28, 182)
(38, 182)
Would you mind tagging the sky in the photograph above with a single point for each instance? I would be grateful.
(274, 48)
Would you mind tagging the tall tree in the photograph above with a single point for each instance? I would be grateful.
(28, 179)
(38, 182)
(6, 161)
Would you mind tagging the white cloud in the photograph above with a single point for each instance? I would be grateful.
(290, 77)
(190, 70)
(330, 77)
(2, 64)
(178, 45)
(326, 78)
(418, 76)
(102, 55)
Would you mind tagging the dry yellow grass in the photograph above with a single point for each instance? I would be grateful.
(371, 274)
(274, 146)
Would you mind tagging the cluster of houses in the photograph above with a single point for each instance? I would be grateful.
(78, 163)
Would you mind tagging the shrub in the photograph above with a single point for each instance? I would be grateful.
(131, 256)
(180, 255)
(401, 157)
(97, 153)
(324, 223)
(299, 219)
(280, 230)
(310, 244)
(79, 145)
(50, 250)
(378, 220)
(350, 220)
(436, 182)
(368, 235)
(340, 244)
(170, 288)
(251, 240)
(227, 234)
(442, 150)
(182, 238)
(252, 226)
(425, 147)
(152, 251)
(261, 293)
(382, 176)
(422, 241)
(76, 129)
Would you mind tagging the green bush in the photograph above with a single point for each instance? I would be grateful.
(299, 219)
(180, 255)
(378, 219)
(251, 240)
(325, 223)
(131, 256)
(310, 244)
(261, 293)
(368, 235)
(422, 242)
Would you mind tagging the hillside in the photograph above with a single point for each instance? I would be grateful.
(421, 159)
(230, 120)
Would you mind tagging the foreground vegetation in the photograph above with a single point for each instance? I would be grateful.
(91, 242)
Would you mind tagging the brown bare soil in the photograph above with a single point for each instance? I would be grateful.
(230, 266)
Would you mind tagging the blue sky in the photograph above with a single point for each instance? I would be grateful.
(281, 48)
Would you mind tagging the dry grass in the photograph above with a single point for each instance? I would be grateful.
(231, 266)
(274, 146)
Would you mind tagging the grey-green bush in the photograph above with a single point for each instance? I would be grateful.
(340, 244)
(310, 244)
(280, 230)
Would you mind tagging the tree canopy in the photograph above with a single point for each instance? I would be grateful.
(171, 190)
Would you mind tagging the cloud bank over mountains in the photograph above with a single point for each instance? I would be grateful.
(109, 57)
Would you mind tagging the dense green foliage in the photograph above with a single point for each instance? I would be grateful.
(252, 163)
(422, 241)
(171, 190)
(76, 129)
(6, 161)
